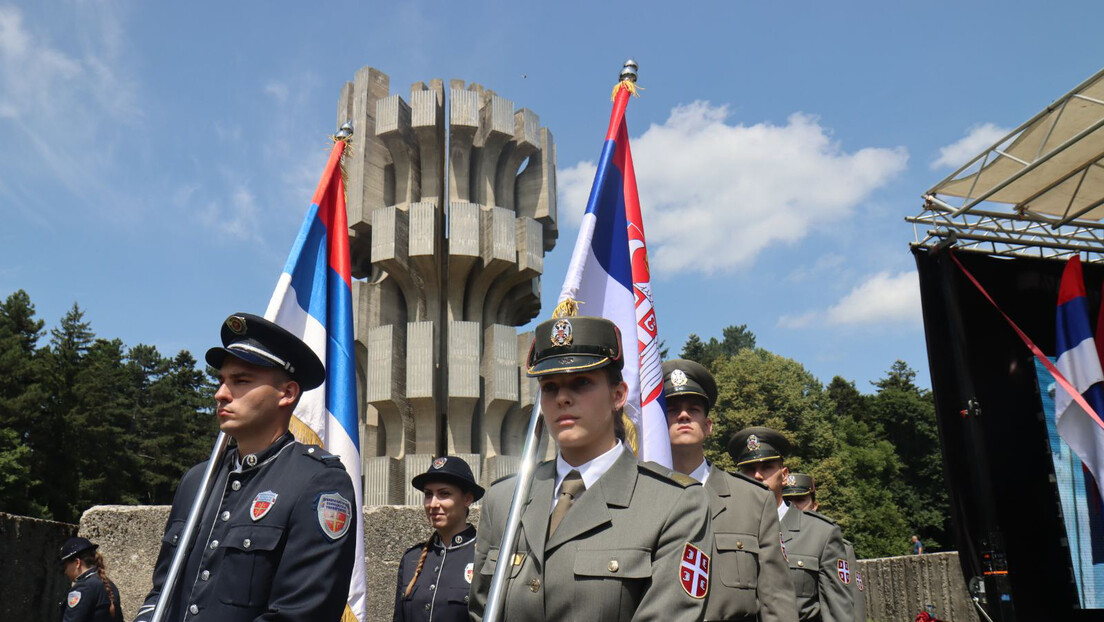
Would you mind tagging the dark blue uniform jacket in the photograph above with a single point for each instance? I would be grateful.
(441, 592)
(276, 541)
(87, 601)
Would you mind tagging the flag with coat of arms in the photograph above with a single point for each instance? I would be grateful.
(313, 300)
(609, 277)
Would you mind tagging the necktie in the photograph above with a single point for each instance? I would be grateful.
(571, 489)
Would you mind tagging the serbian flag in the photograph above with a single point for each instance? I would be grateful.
(1079, 362)
(609, 277)
(313, 299)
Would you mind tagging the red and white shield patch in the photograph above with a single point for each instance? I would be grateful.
(469, 571)
(843, 570)
(334, 514)
(694, 571)
(858, 580)
(74, 598)
(262, 503)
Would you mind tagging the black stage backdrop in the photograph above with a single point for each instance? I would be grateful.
(1004, 502)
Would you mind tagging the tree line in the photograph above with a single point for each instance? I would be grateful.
(87, 421)
(875, 457)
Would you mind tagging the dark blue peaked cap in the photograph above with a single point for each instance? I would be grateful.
(258, 341)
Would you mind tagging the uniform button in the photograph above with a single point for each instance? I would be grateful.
(800, 564)
(193, 609)
(432, 586)
(311, 450)
(236, 485)
(206, 574)
(739, 544)
(534, 585)
(176, 539)
(226, 516)
(214, 544)
(465, 598)
(613, 566)
(427, 607)
(247, 543)
(436, 568)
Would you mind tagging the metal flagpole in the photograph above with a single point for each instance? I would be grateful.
(496, 595)
(190, 526)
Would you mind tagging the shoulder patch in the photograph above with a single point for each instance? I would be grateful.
(670, 475)
(74, 598)
(739, 475)
(820, 516)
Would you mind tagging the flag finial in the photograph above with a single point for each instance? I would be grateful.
(627, 79)
(345, 132)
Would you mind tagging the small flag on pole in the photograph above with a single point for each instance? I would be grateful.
(313, 299)
(609, 277)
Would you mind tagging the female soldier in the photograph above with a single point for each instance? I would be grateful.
(601, 537)
(434, 576)
(94, 598)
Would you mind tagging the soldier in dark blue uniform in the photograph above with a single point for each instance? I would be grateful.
(93, 597)
(274, 540)
(435, 575)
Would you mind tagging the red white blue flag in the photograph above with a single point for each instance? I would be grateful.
(313, 299)
(609, 277)
(1079, 362)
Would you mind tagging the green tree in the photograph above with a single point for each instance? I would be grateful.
(21, 397)
(736, 338)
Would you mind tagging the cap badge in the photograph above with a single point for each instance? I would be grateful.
(678, 378)
(561, 333)
(753, 442)
(439, 462)
(791, 480)
(694, 571)
(236, 324)
(262, 503)
(334, 512)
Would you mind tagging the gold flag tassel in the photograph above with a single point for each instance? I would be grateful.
(568, 307)
(627, 80)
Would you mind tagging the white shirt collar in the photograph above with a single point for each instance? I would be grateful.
(590, 471)
(782, 509)
(702, 472)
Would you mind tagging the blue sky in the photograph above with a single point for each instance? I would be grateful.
(156, 159)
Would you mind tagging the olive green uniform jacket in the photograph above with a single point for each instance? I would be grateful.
(858, 596)
(814, 549)
(750, 575)
(616, 555)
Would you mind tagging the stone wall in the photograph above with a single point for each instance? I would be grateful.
(897, 588)
(33, 585)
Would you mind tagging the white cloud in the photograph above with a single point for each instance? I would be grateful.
(715, 194)
(235, 218)
(277, 90)
(883, 298)
(977, 138)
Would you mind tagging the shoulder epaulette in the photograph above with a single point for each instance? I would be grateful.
(504, 478)
(752, 480)
(668, 474)
(321, 455)
(820, 516)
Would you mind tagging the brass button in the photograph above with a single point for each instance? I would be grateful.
(534, 585)
(800, 564)
(613, 566)
(740, 544)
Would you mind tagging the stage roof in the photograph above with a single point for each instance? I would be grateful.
(1039, 191)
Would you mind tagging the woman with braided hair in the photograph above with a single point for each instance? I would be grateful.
(435, 575)
(93, 597)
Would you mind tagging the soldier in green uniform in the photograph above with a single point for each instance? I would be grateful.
(812, 543)
(751, 580)
(601, 536)
(800, 490)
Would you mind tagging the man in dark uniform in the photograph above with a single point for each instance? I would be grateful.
(751, 578)
(93, 597)
(800, 490)
(602, 537)
(273, 540)
(812, 543)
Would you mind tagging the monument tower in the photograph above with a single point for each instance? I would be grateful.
(452, 205)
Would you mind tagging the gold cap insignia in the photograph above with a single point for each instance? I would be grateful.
(678, 378)
(561, 333)
(236, 323)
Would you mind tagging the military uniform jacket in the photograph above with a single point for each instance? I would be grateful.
(858, 597)
(750, 575)
(814, 549)
(88, 601)
(617, 555)
(274, 541)
(441, 592)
